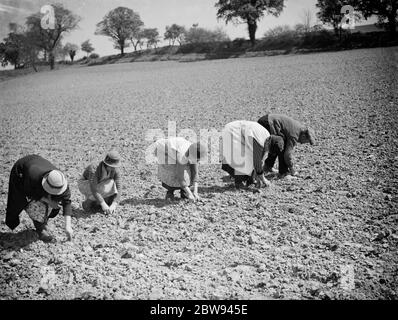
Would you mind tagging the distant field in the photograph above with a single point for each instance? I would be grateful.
(329, 233)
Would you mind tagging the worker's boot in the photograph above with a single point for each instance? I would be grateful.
(41, 229)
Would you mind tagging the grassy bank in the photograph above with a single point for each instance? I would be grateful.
(286, 43)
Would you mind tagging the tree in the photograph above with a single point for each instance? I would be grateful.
(18, 48)
(87, 47)
(59, 52)
(11, 49)
(48, 39)
(120, 24)
(201, 35)
(330, 12)
(174, 33)
(137, 39)
(71, 50)
(306, 19)
(383, 9)
(152, 36)
(248, 11)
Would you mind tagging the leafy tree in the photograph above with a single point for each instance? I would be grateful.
(152, 36)
(87, 47)
(175, 33)
(71, 50)
(11, 49)
(248, 11)
(18, 49)
(330, 12)
(201, 35)
(120, 24)
(48, 39)
(137, 39)
(385, 10)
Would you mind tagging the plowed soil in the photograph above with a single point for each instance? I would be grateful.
(329, 233)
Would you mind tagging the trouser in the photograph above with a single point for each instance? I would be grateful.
(170, 190)
(270, 161)
(238, 178)
(40, 226)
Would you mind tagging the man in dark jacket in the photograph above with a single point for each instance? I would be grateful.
(292, 132)
(34, 180)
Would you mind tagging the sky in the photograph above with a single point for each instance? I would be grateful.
(154, 13)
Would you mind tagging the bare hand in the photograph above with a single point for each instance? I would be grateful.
(69, 233)
(105, 208)
(262, 182)
(197, 197)
(112, 207)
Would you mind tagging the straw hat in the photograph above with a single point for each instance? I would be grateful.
(54, 182)
(112, 159)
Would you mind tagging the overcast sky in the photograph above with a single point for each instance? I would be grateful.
(154, 14)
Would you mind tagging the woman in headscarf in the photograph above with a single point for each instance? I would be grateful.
(101, 184)
(178, 166)
(39, 188)
(245, 144)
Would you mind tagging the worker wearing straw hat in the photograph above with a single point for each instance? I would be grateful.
(101, 184)
(40, 189)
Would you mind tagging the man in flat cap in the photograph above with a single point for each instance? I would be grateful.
(292, 132)
(40, 189)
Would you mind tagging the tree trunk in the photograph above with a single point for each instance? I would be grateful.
(252, 26)
(32, 61)
(122, 50)
(392, 26)
(51, 59)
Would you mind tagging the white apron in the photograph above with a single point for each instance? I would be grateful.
(105, 188)
(238, 144)
(169, 152)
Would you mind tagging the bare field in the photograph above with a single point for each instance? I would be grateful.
(330, 233)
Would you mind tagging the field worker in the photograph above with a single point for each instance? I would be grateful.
(291, 131)
(178, 166)
(39, 188)
(245, 144)
(101, 184)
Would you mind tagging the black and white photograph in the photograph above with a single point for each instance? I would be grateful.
(219, 151)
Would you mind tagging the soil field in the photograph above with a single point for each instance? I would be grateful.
(329, 233)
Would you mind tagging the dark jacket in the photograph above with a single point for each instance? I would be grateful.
(286, 127)
(26, 184)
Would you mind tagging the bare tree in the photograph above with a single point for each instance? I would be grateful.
(307, 20)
